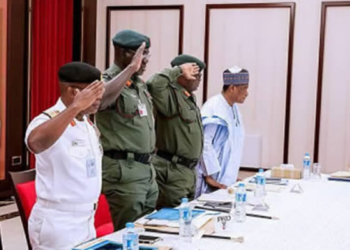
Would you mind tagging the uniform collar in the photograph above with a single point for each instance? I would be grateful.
(182, 90)
(60, 105)
(115, 70)
(225, 103)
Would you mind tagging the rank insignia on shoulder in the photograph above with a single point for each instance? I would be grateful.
(186, 93)
(51, 113)
(128, 83)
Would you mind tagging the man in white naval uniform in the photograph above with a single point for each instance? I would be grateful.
(69, 157)
(223, 134)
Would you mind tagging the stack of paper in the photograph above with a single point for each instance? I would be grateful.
(221, 195)
(110, 245)
(272, 181)
(169, 218)
(340, 176)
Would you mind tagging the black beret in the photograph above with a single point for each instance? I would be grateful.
(78, 72)
(130, 39)
(181, 59)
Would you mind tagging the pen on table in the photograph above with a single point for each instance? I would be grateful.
(262, 216)
(248, 214)
(238, 239)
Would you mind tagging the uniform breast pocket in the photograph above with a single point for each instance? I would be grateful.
(187, 114)
(127, 104)
(79, 151)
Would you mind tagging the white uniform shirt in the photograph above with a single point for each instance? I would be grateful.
(70, 170)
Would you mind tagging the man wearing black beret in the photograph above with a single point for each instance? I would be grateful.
(69, 157)
(68, 162)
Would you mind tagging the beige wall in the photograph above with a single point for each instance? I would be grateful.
(3, 36)
(335, 108)
(263, 51)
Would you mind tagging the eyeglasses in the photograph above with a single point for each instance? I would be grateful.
(145, 55)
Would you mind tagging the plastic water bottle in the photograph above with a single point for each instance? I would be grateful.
(185, 220)
(260, 184)
(306, 166)
(130, 238)
(241, 197)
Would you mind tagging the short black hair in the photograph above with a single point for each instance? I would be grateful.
(225, 87)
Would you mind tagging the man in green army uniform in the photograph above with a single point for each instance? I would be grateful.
(178, 128)
(128, 137)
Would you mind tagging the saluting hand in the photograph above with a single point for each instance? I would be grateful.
(189, 70)
(137, 58)
(85, 98)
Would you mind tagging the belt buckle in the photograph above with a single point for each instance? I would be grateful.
(145, 158)
(193, 164)
(149, 158)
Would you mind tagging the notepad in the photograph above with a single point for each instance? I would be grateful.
(171, 214)
(101, 244)
(272, 181)
(220, 195)
(341, 174)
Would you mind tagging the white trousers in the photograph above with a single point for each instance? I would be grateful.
(59, 230)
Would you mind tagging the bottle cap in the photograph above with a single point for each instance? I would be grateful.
(184, 200)
(129, 225)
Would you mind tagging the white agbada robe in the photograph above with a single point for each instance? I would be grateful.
(223, 143)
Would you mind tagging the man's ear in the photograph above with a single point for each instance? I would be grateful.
(231, 88)
(72, 91)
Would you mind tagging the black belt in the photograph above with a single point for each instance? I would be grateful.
(180, 160)
(122, 155)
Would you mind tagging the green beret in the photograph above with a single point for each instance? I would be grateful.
(78, 72)
(130, 39)
(181, 59)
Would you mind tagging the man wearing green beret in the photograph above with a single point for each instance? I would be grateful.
(179, 129)
(128, 137)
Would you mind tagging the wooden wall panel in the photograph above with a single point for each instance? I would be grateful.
(258, 37)
(333, 104)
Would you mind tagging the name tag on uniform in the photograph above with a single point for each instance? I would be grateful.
(91, 167)
(142, 109)
(78, 143)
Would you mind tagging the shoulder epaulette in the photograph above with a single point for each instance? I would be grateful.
(51, 113)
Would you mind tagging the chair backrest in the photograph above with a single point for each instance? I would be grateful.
(102, 215)
(0, 240)
(25, 195)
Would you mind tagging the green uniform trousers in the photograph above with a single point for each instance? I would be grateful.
(175, 181)
(130, 188)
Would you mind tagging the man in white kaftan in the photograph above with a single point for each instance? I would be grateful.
(223, 134)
